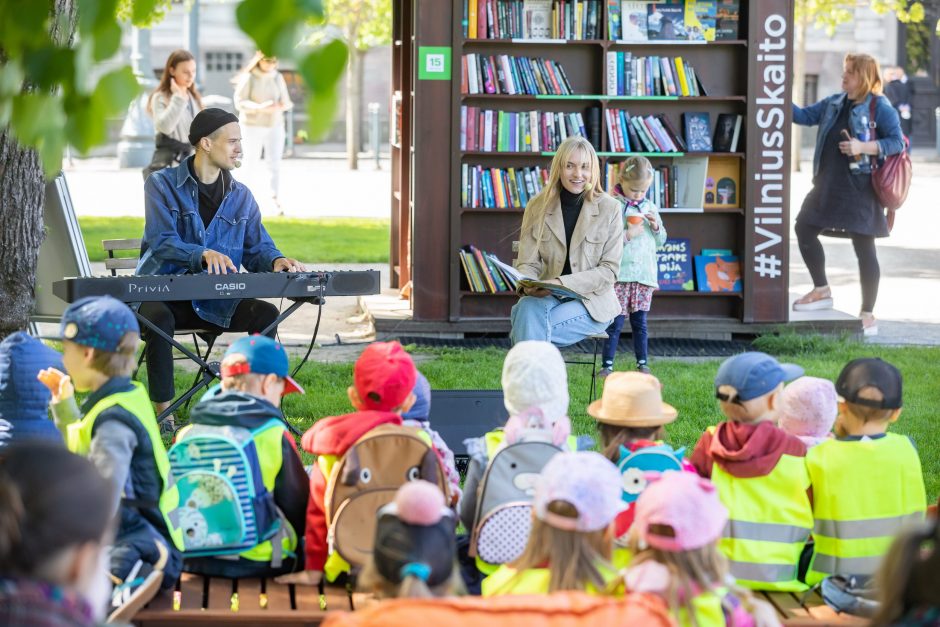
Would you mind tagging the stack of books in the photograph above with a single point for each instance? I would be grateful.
(483, 274)
(650, 76)
(505, 74)
(500, 188)
(486, 130)
(653, 133)
(678, 20)
(533, 19)
(679, 185)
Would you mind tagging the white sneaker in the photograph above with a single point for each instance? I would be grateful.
(869, 326)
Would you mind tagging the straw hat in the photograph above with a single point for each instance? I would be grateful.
(632, 399)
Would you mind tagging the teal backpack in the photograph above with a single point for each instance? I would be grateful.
(224, 507)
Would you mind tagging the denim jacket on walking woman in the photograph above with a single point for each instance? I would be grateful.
(824, 113)
(175, 238)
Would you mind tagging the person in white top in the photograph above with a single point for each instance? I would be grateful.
(173, 105)
(261, 98)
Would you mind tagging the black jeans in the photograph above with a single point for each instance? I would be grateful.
(251, 316)
(638, 326)
(815, 259)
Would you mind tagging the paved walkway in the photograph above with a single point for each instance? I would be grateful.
(908, 306)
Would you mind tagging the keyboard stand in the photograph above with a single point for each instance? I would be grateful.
(210, 370)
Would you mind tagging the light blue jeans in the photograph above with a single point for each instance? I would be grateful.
(552, 320)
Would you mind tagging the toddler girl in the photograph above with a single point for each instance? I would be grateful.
(808, 409)
(679, 521)
(643, 234)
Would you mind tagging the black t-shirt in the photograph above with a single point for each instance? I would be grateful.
(570, 211)
(210, 195)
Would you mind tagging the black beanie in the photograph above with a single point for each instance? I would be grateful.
(207, 122)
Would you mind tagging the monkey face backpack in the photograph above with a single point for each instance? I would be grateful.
(367, 477)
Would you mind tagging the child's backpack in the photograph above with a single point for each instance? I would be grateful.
(634, 466)
(367, 477)
(503, 517)
(224, 507)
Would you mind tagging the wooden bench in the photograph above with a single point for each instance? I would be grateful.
(793, 609)
(220, 601)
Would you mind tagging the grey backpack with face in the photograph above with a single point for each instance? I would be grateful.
(504, 508)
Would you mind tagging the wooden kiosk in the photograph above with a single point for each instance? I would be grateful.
(750, 75)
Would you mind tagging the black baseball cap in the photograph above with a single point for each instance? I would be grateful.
(874, 372)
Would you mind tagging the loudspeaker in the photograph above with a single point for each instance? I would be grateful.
(461, 414)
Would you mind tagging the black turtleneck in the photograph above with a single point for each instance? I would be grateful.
(570, 210)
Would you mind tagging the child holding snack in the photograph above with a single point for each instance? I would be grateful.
(643, 234)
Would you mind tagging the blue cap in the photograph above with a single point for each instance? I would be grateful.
(422, 407)
(263, 356)
(98, 322)
(753, 374)
(24, 401)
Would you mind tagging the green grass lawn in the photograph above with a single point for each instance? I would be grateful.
(321, 240)
(687, 386)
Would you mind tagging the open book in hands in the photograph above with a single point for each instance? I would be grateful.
(559, 291)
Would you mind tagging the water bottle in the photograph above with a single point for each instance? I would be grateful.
(865, 137)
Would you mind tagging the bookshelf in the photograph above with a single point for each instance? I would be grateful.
(749, 76)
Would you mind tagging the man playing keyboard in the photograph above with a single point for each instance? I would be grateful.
(198, 218)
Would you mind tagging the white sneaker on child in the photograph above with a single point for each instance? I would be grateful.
(134, 593)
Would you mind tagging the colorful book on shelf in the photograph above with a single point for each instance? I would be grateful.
(722, 183)
(700, 19)
(727, 131)
(717, 273)
(690, 173)
(666, 22)
(697, 127)
(613, 19)
(727, 14)
(674, 266)
(719, 252)
(537, 19)
(633, 16)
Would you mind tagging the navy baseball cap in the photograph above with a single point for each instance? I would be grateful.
(98, 322)
(870, 372)
(262, 356)
(752, 374)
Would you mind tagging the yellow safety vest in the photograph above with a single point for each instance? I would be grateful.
(707, 608)
(494, 441)
(864, 493)
(268, 443)
(769, 522)
(335, 564)
(507, 580)
(137, 403)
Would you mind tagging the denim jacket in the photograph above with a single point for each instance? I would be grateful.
(824, 113)
(175, 238)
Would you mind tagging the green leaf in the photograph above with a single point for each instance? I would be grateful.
(86, 125)
(36, 115)
(323, 66)
(107, 41)
(321, 111)
(11, 78)
(262, 20)
(49, 67)
(31, 20)
(116, 90)
(312, 8)
(142, 10)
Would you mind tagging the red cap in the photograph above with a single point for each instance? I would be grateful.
(384, 376)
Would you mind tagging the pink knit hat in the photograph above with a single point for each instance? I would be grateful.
(685, 502)
(808, 408)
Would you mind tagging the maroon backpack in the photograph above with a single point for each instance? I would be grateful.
(892, 178)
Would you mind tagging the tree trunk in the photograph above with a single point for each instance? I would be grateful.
(22, 194)
(354, 108)
(799, 89)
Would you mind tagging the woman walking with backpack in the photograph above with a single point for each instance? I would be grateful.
(856, 127)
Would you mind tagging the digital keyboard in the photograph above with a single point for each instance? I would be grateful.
(176, 287)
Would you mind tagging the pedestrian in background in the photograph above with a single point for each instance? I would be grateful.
(261, 98)
(173, 105)
(900, 91)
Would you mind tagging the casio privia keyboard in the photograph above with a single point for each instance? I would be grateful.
(176, 287)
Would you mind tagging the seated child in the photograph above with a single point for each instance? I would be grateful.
(383, 378)
(24, 401)
(54, 513)
(419, 416)
(679, 521)
(867, 483)
(808, 408)
(630, 417)
(534, 377)
(907, 581)
(577, 498)
(760, 473)
(254, 378)
(415, 547)
(117, 430)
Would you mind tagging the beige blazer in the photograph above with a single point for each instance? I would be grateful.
(596, 250)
